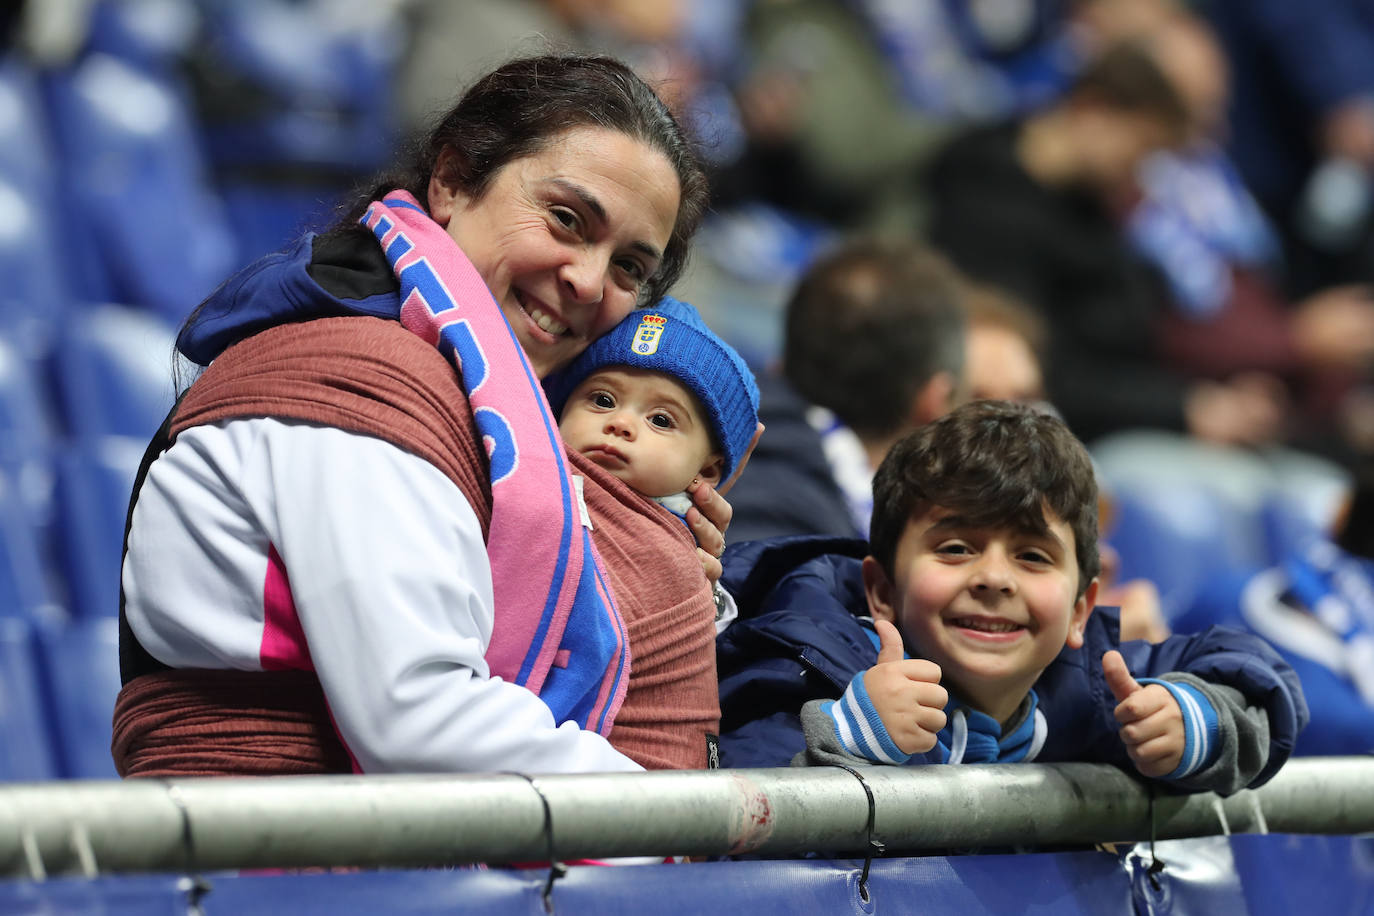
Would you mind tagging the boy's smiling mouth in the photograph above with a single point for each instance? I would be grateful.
(990, 626)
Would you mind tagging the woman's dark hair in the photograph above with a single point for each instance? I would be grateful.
(997, 464)
(519, 108)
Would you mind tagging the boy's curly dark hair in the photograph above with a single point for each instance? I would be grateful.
(996, 463)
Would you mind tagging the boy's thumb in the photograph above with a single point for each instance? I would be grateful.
(891, 649)
(1118, 675)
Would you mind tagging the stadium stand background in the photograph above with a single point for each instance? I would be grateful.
(148, 148)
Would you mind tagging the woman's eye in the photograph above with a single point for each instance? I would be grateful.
(662, 421)
(603, 400)
(565, 217)
(633, 269)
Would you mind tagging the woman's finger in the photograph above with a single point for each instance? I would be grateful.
(714, 507)
(710, 565)
(739, 469)
(709, 538)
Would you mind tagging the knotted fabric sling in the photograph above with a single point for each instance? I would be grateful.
(557, 630)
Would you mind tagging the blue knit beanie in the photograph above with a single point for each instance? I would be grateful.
(671, 338)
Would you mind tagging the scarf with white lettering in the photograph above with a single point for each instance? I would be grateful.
(557, 630)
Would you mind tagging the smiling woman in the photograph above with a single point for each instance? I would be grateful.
(356, 543)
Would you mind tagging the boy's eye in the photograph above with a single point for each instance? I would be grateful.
(662, 421)
(603, 400)
(953, 548)
(1036, 556)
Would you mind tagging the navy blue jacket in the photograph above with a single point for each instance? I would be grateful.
(787, 488)
(798, 638)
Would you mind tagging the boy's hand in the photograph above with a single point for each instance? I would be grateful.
(906, 693)
(1151, 722)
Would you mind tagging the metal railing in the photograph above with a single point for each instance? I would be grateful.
(203, 824)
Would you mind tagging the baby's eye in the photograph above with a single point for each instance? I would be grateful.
(662, 420)
(603, 400)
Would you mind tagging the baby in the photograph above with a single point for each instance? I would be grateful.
(657, 402)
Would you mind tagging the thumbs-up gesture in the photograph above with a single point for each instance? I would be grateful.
(906, 693)
(1151, 722)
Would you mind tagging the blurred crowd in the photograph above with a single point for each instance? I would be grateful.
(1165, 208)
(1216, 190)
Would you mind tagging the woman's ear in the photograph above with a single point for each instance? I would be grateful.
(444, 195)
(878, 588)
(710, 472)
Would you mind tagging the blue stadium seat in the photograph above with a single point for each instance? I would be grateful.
(114, 376)
(26, 752)
(114, 372)
(24, 574)
(1176, 536)
(29, 249)
(146, 226)
(292, 125)
(27, 424)
(94, 479)
(80, 669)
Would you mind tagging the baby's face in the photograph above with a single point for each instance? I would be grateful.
(643, 427)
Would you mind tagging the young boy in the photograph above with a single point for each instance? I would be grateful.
(659, 401)
(983, 565)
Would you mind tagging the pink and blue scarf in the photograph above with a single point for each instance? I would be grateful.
(557, 630)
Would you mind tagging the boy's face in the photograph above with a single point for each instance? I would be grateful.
(643, 427)
(991, 606)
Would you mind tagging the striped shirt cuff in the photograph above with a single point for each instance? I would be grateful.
(1201, 732)
(859, 728)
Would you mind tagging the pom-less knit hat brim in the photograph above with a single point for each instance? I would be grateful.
(671, 338)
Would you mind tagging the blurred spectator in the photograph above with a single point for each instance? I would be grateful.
(1197, 222)
(873, 348)
(1031, 206)
(1005, 344)
(1005, 347)
(830, 134)
(1302, 126)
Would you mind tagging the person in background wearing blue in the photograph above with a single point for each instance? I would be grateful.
(983, 560)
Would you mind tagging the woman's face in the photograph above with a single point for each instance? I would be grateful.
(566, 238)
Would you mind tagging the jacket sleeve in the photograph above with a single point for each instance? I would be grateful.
(1242, 750)
(394, 597)
(1248, 684)
(823, 746)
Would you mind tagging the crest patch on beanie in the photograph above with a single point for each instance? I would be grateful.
(646, 336)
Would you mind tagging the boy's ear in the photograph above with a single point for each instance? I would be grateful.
(710, 471)
(878, 589)
(1081, 609)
